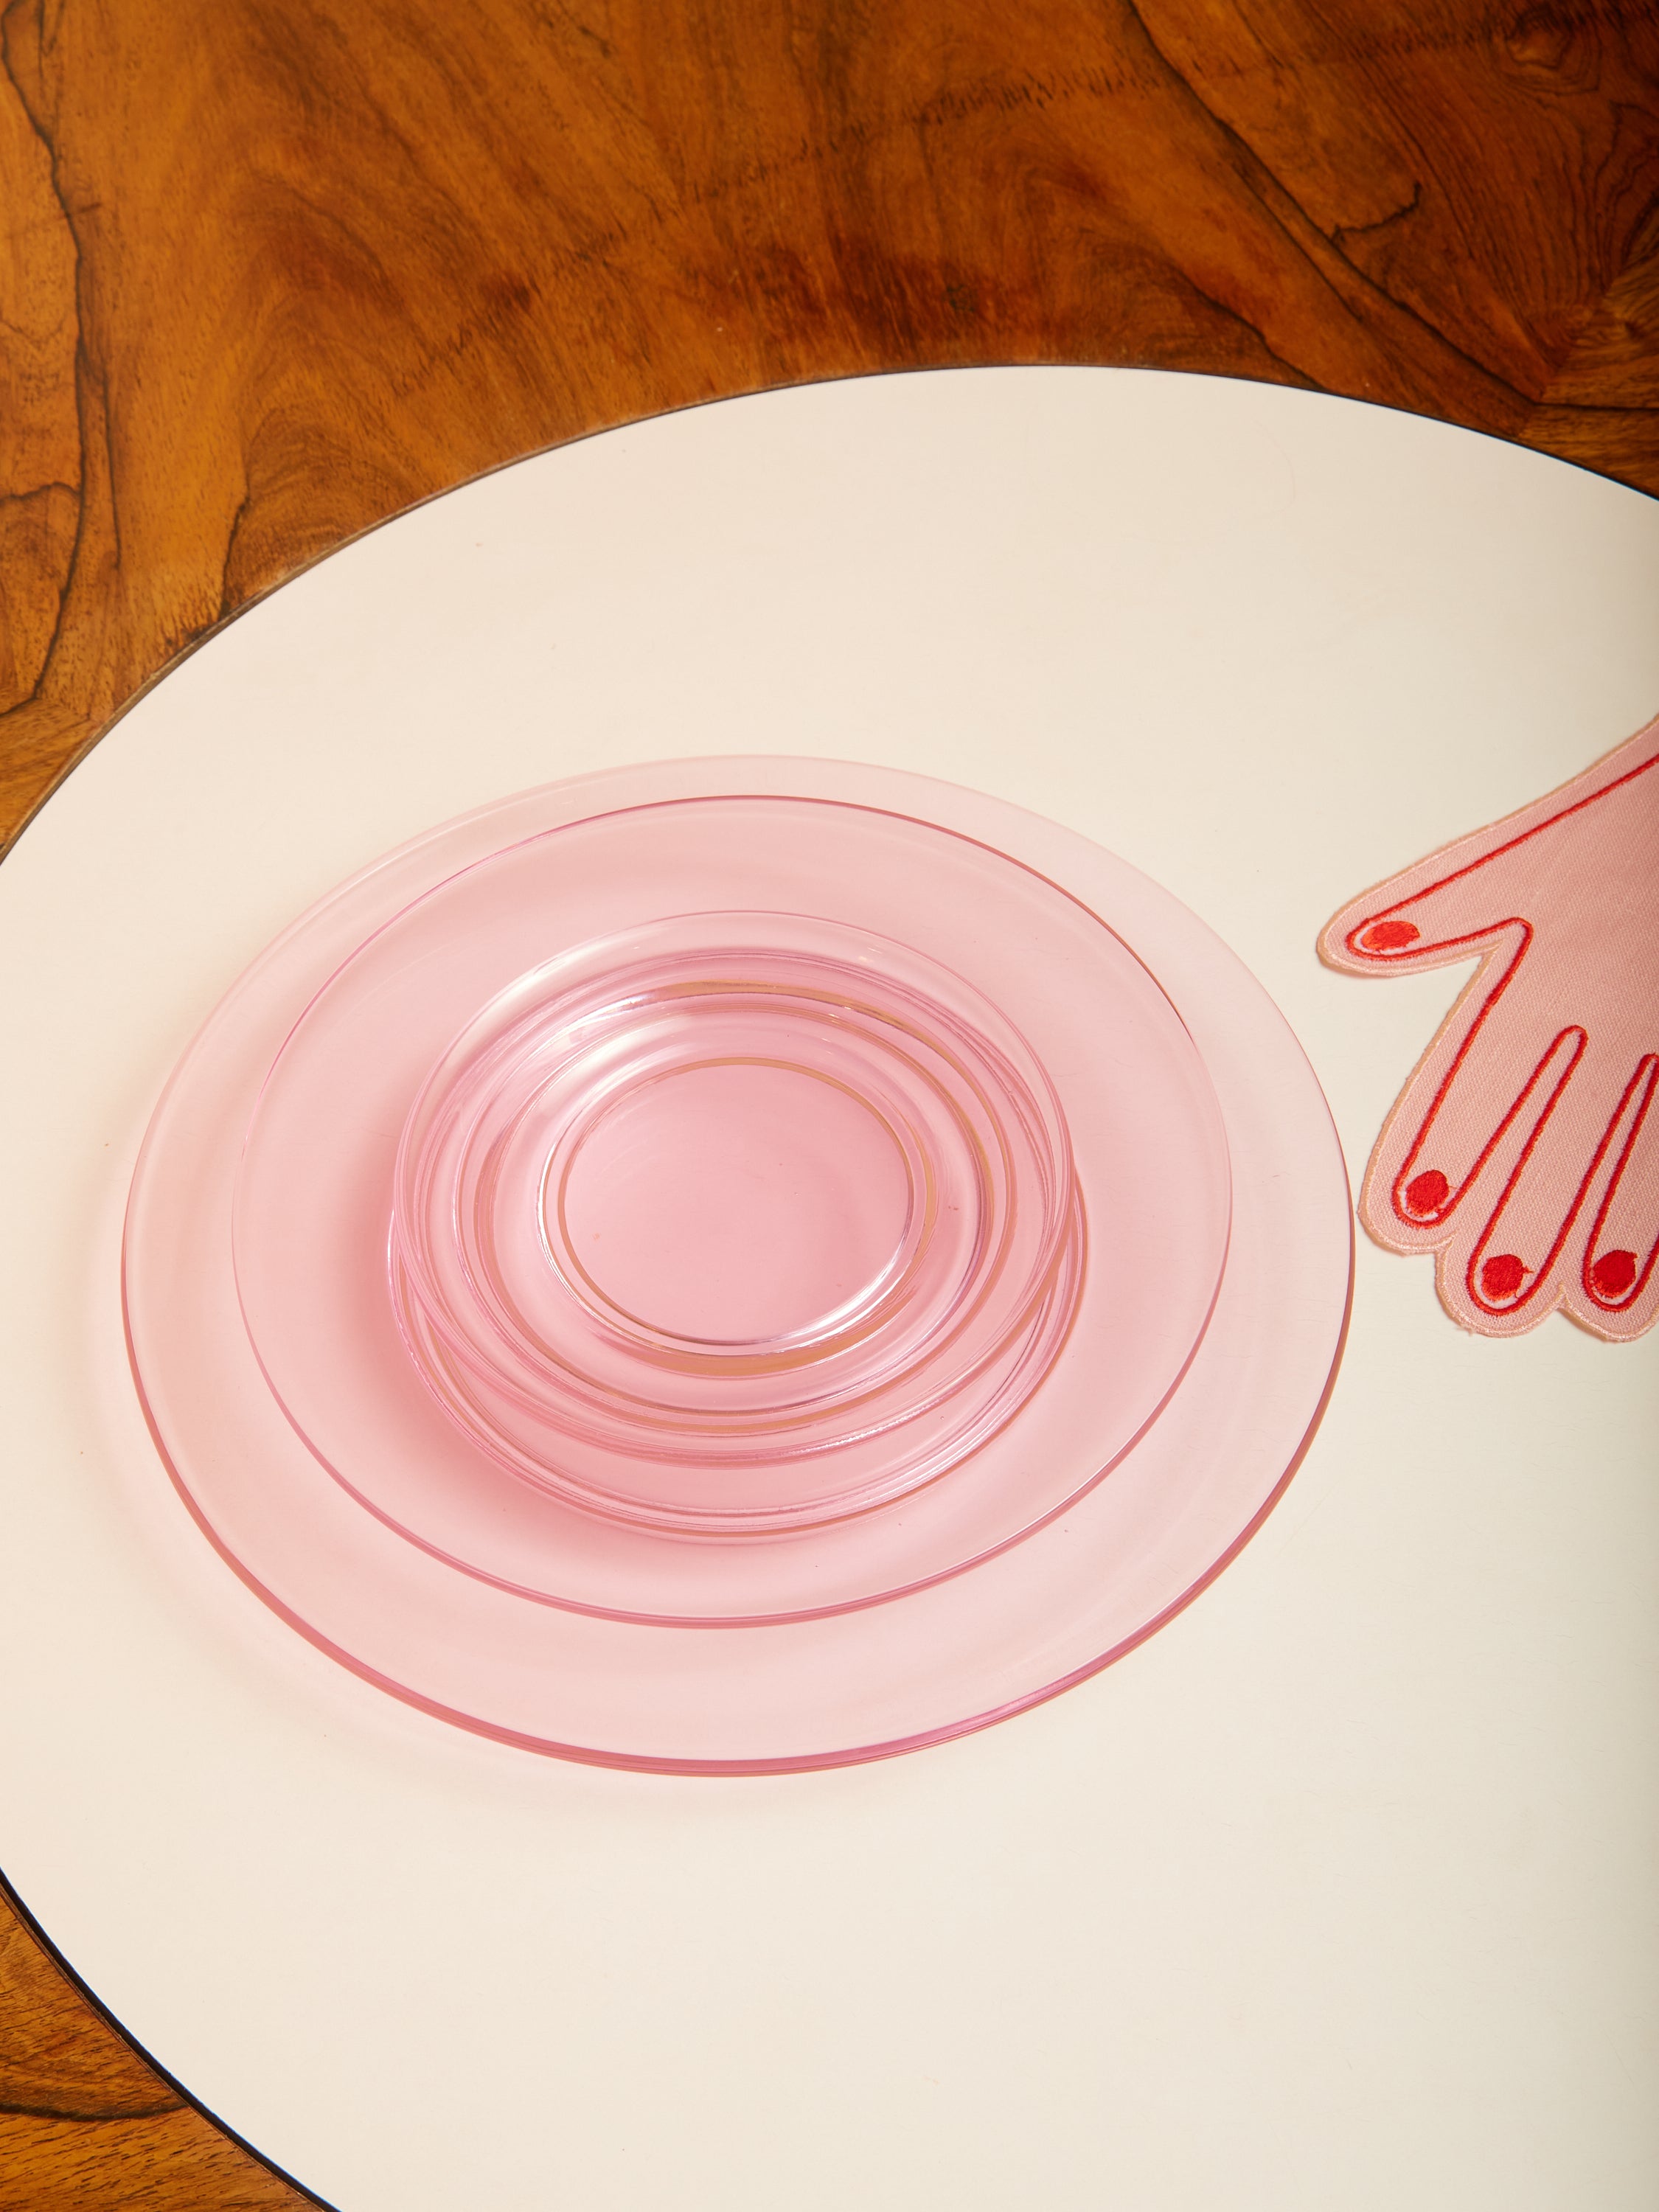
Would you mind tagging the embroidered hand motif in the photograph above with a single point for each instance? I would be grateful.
(1523, 1152)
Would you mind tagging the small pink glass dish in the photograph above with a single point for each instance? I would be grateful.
(736, 1264)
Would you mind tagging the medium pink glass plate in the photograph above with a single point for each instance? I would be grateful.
(731, 1265)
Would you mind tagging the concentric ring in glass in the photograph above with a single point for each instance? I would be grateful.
(324, 1204)
(790, 1417)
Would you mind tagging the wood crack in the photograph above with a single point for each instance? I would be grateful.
(1274, 202)
(1343, 232)
(13, 77)
(91, 2117)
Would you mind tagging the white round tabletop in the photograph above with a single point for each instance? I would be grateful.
(1337, 1890)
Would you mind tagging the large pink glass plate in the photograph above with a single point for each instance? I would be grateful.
(776, 1436)
(729, 1266)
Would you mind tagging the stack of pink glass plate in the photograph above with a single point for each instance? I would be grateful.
(721, 1271)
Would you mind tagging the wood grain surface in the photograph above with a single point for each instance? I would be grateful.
(271, 270)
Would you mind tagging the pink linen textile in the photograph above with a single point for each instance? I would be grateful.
(1523, 1152)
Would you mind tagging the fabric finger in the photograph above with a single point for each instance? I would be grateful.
(1497, 1061)
(1456, 910)
(1618, 1286)
(1454, 899)
(1536, 1200)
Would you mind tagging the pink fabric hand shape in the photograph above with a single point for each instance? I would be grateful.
(1523, 1152)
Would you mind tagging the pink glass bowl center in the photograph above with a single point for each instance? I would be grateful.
(738, 1222)
(734, 1203)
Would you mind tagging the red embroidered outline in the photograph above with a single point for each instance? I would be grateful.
(1449, 1204)
(1541, 1273)
(1439, 950)
(1647, 1066)
(1626, 1279)
(1468, 868)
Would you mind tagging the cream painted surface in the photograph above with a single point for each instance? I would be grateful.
(1337, 1892)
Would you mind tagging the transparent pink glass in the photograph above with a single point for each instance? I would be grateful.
(735, 1223)
(664, 1281)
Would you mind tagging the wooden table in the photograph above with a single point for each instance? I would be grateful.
(272, 269)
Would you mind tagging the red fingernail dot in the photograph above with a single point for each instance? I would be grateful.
(1612, 1275)
(1501, 1276)
(1427, 1193)
(1389, 936)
